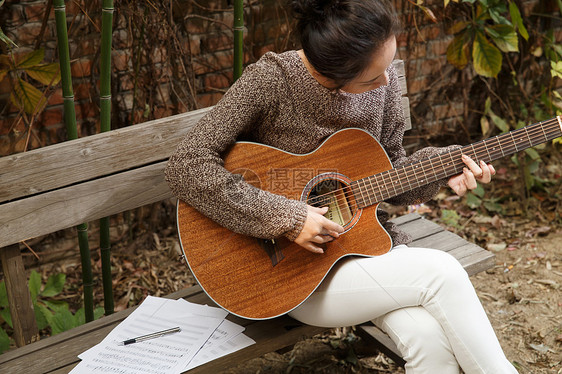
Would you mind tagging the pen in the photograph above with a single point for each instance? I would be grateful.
(150, 336)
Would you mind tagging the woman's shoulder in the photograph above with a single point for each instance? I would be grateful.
(275, 63)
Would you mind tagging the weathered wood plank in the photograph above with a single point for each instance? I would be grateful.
(84, 202)
(19, 299)
(421, 228)
(405, 218)
(442, 240)
(477, 262)
(66, 163)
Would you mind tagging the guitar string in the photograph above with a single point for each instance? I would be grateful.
(480, 150)
(447, 168)
(320, 199)
(403, 182)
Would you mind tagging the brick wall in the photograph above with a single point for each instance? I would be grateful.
(167, 61)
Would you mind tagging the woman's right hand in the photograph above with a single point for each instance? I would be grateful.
(317, 230)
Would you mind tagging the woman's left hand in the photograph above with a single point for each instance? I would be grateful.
(471, 174)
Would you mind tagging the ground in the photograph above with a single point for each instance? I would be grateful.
(521, 293)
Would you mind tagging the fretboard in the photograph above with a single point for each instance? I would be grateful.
(393, 182)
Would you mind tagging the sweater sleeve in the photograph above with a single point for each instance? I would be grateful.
(196, 175)
(392, 136)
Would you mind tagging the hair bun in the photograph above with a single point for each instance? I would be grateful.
(313, 10)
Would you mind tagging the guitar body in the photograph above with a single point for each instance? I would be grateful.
(260, 279)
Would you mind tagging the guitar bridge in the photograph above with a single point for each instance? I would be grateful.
(271, 248)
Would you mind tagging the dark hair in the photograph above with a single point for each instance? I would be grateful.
(339, 37)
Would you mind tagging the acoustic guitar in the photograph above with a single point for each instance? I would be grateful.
(351, 174)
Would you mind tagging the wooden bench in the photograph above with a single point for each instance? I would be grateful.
(60, 186)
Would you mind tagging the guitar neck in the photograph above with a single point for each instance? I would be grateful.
(393, 182)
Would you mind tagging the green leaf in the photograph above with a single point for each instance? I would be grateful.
(458, 27)
(517, 20)
(7, 40)
(34, 285)
(487, 105)
(56, 305)
(30, 59)
(80, 318)
(48, 74)
(458, 51)
(473, 201)
(484, 125)
(98, 312)
(6, 316)
(450, 217)
(556, 69)
(4, 303)
(42, 316)
(505, 37)
(496, 15)
(498, 121)
(532, 153)
(54, 285)
(62, 320)
(487, 59)
(4, 341)
(27, 97)
(492, 206)
(479, 190)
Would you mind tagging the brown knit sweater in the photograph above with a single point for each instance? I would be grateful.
(279, 103)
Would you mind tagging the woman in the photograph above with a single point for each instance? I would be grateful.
(342, 77)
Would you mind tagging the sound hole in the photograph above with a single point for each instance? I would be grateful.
(338, 197)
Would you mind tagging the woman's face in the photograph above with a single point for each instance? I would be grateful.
(375, 75)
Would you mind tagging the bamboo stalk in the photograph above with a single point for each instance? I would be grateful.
(238, 31)
(105, 125)
(72, 133)
(66, 79)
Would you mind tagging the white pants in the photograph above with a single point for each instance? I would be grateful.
(422, 298)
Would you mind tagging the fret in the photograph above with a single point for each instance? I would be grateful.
(358, 184)
(390, 180)
(379, 188)
(475, 158)
(373, 188)
(514, 143)
(442, 166)
(424, 175)
(528, 137)
(495, 148)
(453, 162)
(543, 132)
(499, 145)
(407, 178)
(385, 185)
(367, 191)
(399, 179)
(487, 151)
(432, 168)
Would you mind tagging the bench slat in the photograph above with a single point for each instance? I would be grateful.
(34, 216)
(84, 159)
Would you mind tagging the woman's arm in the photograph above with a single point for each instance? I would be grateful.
(196, 175)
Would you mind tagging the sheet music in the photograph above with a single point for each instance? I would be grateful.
(200, 333)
